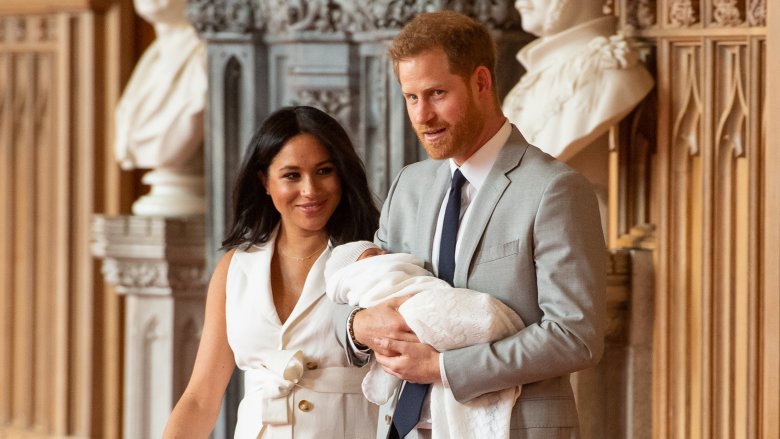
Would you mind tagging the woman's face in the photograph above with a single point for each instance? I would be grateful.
(303, 184)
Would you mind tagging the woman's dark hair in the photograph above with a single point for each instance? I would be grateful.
(254, 215)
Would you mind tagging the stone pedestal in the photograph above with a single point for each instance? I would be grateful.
(173, 193)
(613, 398)
(159, 265)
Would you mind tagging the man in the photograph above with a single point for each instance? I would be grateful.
(527, 232)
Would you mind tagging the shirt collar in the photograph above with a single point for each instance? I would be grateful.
(478, 166)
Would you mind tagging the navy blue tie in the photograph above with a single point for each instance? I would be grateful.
(449, 229)
(407, 412)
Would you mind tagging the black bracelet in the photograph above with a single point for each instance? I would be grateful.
(351, 332)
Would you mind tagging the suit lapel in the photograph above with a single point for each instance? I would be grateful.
(487, 199)
(428, 212)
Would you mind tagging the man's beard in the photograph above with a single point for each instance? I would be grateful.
(460, 136)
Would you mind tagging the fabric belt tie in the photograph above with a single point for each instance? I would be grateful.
(284, 370)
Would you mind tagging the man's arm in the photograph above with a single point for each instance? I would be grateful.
(354, 355)
(379, 321)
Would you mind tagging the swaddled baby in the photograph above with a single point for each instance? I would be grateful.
(362, 274)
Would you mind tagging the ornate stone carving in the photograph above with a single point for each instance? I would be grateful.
(756, 13)
(153, 275)
(733, 119)
(682, 13)
(17, 29)
(356, 16)
(299, 15)
(688, 119)
(12, 29)
(135, 274)
(330, 16)
(645, 13)
(159, 265)
(151, 256)
(496, 14)
(41, 28)
(185, 277)
(337, 103)
(222, 15)
(640, 14)
(726, 13)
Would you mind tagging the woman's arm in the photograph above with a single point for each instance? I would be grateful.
(196, 412)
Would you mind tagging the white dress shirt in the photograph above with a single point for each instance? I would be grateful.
(476, 169)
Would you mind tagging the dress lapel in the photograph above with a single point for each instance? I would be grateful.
(428, 213)
(258, 260)
(313, 289)
(487, 199)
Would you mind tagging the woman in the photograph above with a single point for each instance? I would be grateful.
(301, 190)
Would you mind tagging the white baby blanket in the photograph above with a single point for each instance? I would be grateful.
(442, 316)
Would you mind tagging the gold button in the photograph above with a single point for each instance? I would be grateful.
(388, 418)
(305, 406)
(311, 365)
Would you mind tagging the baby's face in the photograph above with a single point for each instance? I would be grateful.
(371, 252)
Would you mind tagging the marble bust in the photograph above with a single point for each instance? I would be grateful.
(159, 117)
(580, 79)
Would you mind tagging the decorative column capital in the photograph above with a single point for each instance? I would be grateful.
(335, 16)
(212, 16)
(152, 255)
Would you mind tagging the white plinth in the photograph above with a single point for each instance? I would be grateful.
(159, 266)
(174, 193)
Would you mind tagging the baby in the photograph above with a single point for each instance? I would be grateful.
(362, 274)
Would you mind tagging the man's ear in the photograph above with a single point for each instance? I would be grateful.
(483, 79)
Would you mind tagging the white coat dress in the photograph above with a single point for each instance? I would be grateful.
(297, 380)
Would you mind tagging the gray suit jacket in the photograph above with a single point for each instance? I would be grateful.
(534, 241)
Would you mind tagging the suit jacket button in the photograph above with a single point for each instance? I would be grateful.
(305, 406)
(311, 365)
(388, 418)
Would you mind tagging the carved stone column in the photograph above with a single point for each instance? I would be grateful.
(331, 54)
(159, 265)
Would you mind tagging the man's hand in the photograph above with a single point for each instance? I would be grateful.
(412, 361)
(382, 321)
